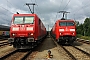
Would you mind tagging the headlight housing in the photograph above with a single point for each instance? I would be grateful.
(29, 28)
(61, 29)
(15, 28)
(72, 29)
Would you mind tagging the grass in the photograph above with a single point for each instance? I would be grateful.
(83, 37)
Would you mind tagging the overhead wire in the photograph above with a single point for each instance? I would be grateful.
(66, 5)
(36, 4)
(10, 3)
(6, 9)
(4, 19)
(14, 5)
(4, 13)
(59, 9)
(38, 12)
(61, 3)
(82, 8)
(31, 7)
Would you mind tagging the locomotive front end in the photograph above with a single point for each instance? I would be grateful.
(67, 32)
(22, 31)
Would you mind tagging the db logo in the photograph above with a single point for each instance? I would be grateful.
(22, 28)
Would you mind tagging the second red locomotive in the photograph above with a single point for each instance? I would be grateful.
(26, 31)
(64, 31)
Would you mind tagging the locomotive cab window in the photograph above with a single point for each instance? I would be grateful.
(70, 24)
(29, 20)
(23, 20)
(18, 20)
(66, 24)
(62, 23)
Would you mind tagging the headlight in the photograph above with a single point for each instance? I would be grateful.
(30, 28)
(31, 33)
(13, 34)
(61, 29)
(72, 29)
(15, 29)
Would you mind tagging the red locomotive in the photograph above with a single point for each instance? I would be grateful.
(64, 31)
(26, 31)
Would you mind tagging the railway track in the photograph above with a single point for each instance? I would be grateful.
(74, 52)
(83, 41)
(2, 39)
(7, 55)
(2, 43)
(16, 54)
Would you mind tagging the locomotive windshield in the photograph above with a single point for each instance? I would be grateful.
(18, 20)
(66, 23)
(29, 20)
(23, 20)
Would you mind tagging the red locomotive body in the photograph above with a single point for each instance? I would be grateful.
(64, 31)
(26, 30)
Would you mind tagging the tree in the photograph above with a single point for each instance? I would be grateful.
(77, 23)
(80, 29)
(86, 26)
(83, 29)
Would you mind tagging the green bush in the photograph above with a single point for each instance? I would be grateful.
(79, 35)
(83, 37)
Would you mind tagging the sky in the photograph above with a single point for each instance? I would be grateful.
(47, 10)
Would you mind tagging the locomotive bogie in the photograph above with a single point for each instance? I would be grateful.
(22, 43)
(66, 39)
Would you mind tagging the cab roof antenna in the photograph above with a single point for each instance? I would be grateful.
(17, 12)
